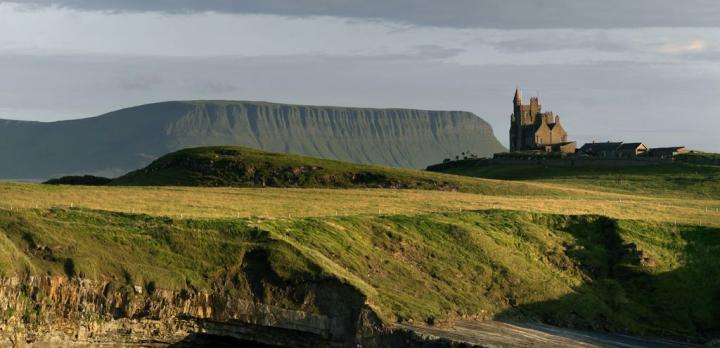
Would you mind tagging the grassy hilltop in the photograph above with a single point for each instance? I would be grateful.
(232, 166)
(559, 250)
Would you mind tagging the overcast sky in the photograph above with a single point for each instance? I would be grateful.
(633, 70)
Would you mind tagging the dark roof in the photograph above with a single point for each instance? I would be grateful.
(563, 143)
(671, 148)
(629, 146)
(598, 147)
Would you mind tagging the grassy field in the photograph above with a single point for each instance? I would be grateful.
(273, 203)
(668, 180)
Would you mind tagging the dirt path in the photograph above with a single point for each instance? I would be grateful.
(493, 334)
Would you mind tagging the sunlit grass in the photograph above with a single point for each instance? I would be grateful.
(667, 180)
(415, 254)
(273, 203)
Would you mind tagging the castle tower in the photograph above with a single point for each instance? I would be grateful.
(517, 101)
(535, 107)
(517, 107)
(516, 120)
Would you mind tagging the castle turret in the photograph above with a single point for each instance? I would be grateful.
(535, 107)
(516, 121)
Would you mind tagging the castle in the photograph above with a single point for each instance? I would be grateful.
(532, 129)
(535, 135)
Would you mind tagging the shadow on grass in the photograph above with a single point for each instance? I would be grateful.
(625, 296)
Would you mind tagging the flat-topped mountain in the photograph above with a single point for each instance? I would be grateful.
(128, 139)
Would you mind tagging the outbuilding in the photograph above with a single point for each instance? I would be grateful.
(601, 150)
(668, 152)
(631, 150)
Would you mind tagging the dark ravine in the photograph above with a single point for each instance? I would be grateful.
(128, 139)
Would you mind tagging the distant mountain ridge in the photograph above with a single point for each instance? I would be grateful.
(127, 139)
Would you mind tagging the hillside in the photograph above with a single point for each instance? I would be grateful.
(226, 166)
(128, 139)
(576, 271)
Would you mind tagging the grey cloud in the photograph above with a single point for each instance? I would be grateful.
(506, 14)
(706, 56)
(436, 52)
(140, 82)
(597, 42)
(214, 87)
(653, 48)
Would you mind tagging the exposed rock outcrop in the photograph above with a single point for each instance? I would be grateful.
(250, 304)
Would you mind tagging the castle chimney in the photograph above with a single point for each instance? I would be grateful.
(557, 119)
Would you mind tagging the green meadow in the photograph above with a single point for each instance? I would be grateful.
(621, 251)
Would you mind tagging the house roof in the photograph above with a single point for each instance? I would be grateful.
(598, 147)
(671, 148)
(668, 150)
(629, 146)
(562, 143)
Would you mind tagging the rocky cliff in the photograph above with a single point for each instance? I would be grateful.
(128, 139)
(251, 309)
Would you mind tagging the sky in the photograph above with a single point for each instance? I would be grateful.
(627, 70)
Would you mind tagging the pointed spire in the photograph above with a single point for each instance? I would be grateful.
(518, 97)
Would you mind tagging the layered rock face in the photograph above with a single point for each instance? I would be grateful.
(128, 139)
(250, 306)
(56, 310)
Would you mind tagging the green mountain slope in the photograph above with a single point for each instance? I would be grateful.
(128, 139)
